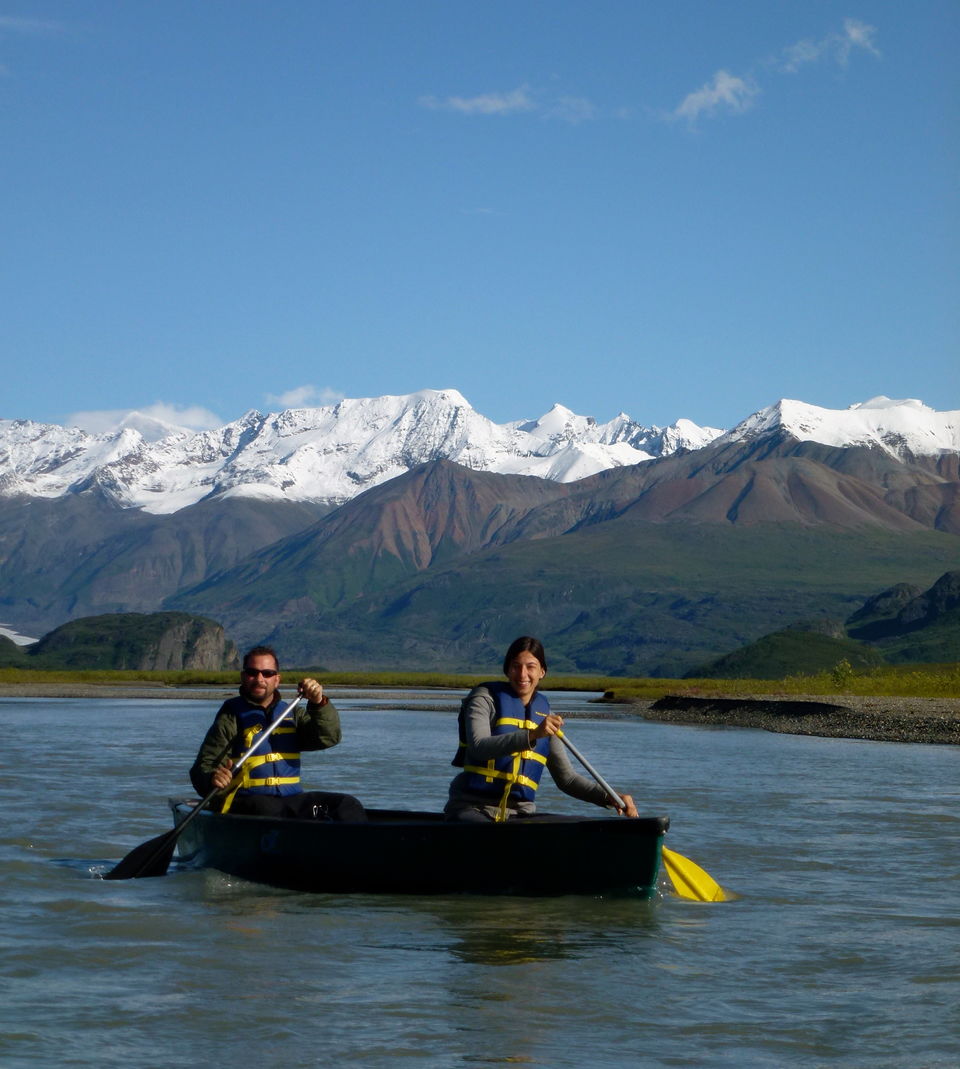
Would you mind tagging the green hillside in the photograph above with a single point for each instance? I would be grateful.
(616, 599)
(12, 655)
(903, 624)
(937, 642)
(791, 651)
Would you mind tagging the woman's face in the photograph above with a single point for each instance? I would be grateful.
(524, 673)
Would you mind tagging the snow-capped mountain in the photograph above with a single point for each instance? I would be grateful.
(332, 453)
(899, 428)
(99, 523)
(326, 454)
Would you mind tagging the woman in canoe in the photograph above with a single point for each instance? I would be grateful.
(507, 736)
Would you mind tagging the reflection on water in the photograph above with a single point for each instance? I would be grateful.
(477, 930)
(513, 931)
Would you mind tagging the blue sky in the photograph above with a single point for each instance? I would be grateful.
(674, 209)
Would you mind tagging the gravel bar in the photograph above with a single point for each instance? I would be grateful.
(929, 720)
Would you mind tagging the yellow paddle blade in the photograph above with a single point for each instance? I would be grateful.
(690, 881)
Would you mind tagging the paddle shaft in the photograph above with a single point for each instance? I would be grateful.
(288, 708)
(614, 797)
(266, 733)
(165, 843)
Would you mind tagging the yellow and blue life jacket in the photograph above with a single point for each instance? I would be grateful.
(274, 767)
(512, 777)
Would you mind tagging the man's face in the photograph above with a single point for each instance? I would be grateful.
(259, 679)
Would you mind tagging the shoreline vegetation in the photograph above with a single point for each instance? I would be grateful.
(916, 703)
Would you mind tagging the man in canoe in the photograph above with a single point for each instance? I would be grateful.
(508, 736)
(268, 783)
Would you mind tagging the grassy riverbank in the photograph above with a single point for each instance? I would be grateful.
(909, 681)
(917, 704)
(913, 681)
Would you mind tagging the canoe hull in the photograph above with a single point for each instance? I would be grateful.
(400, 852)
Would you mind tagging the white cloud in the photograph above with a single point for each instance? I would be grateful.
(103, 421)
(305, 397)
(522, 100)
(507, 103)
(13, 24)
(836, 46)
(16, 24)
(193, 417)
(732, 94)
(726, 92)
(571, 109)
(860, 35)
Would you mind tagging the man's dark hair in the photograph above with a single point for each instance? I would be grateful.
(525, 644)
(262, 651)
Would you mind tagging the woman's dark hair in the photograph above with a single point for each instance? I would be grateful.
(524, 644)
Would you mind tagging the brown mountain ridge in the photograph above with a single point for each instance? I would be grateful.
(371, 561)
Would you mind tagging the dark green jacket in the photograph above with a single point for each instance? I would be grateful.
(318, 728)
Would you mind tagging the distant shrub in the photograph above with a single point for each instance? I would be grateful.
(841, 674)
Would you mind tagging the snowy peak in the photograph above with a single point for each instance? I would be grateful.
(46, 460)
(327, 454)
(558, 423)
(562, 425)
(899, 428)
(331, 454)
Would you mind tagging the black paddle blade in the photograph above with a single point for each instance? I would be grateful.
(151, 858)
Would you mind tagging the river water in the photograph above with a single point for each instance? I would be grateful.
(843, 948)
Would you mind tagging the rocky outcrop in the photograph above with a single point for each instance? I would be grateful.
(904, 609)
(144, 642)
(192, 643)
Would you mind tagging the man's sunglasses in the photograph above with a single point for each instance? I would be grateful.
(252, 673)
